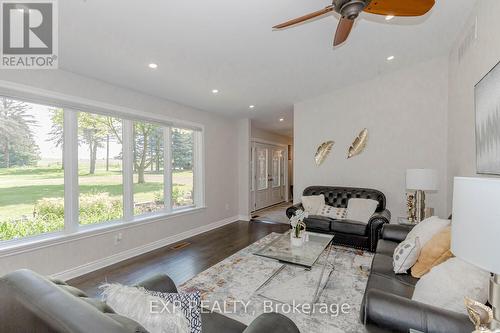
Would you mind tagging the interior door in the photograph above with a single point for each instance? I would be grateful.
(277, 188)
(269, 168)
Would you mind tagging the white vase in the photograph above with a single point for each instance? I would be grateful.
(297, 241)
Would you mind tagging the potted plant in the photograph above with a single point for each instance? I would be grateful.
(298, 227)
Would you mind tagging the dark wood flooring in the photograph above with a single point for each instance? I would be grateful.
(181, 261)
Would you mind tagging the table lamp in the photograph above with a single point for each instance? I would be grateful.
(421, 180)
(475, 230)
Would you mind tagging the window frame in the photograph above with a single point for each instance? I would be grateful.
(71, 106)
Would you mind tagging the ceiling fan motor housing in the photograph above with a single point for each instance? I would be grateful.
(351, 8)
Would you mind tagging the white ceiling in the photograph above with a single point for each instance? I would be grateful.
(229, 45)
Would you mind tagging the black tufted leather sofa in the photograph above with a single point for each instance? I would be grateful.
(32, 303)
(387, 305)
(348, 233)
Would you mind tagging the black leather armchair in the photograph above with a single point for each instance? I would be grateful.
(33, 303)
(348, 233)
(387, 304)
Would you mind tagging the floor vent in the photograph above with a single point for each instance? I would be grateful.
(180, 246)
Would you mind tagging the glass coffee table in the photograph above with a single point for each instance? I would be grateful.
(306, 257)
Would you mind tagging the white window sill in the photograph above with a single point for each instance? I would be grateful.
(18, 246)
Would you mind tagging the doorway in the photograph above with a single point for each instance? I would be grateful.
(269, 173)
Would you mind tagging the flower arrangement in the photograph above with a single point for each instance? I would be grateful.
(297, 222)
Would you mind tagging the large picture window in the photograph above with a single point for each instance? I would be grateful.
(31, 169)
(115, 168)
(182, 167)
(148, 168)
(99, 168)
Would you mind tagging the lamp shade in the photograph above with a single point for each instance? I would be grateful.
(421, 179)
(475, 229)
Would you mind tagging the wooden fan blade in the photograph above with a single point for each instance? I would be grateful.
(343, 30)
(399, 7)
(304, 18)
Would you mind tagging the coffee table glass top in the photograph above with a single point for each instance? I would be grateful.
(305, 255)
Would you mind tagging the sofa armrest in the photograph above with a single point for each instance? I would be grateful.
(160, 283)
(376, 223)
(290, 211)
(272, 322)
(399, 314)
(395, 232)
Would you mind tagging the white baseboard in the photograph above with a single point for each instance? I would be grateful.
(116, 258)
(246, 218)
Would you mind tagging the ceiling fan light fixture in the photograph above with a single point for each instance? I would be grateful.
(390, 58)
(215, 91)
(351, 9)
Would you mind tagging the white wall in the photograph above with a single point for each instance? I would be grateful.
(258, 133)
(221, 176)
(405, 113)
(480, 58)
(244, 132)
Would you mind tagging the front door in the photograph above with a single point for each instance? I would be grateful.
(269, 166)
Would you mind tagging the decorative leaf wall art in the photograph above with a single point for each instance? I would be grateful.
(323, 151)
(358, 144)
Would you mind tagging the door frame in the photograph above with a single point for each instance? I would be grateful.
(252, 178)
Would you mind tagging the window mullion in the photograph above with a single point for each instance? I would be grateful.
(70, 161)
(167, 168)
(128, 169)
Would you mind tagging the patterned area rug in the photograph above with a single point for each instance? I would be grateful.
(230, 286)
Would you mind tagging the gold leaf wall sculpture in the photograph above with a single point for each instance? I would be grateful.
(323, 151)
(359, 144)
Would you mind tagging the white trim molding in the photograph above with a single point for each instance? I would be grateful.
(74, 272)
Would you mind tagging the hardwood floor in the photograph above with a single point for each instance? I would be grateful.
(181, 261)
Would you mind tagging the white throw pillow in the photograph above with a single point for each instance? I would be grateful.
(137, 304)
(447, 284)
(361, 209)
(426, 229)
(312, 203)
(332, 212)
(406, 255)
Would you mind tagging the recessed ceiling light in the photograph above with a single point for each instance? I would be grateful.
(389, 17)
(251, 106)
(215, 91)
(282, 119)
(389, 58)
(153, 65)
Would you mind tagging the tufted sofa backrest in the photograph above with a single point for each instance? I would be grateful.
(339, 196)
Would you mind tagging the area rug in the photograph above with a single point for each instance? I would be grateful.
(229, 287)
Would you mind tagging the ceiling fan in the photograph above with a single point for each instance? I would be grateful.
(350, 9)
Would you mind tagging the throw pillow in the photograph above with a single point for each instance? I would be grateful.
(447, 284)
(405, 255)
(189, 303)
(435, 252)
(332, 212)
(426, 229)
(312, 203)
(361, 209)
(146, 309)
